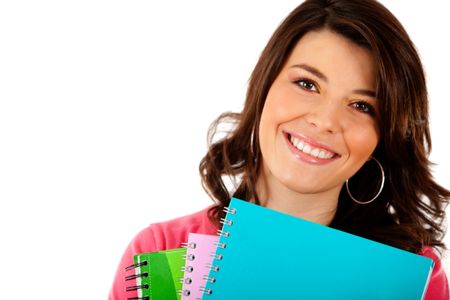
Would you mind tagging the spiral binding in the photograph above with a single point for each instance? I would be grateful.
(229, 210)
(209, 279)
(134, 276)
(187, 268)
(184, 292)
(216, 256)
(136, 265)
(227, 221)
(137, 287)
(191, 245)
(137, 276)
(223, 233)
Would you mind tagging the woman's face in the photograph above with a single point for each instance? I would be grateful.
(319, 122)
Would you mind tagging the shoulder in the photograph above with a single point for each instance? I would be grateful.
(438, 288)
(170, 234)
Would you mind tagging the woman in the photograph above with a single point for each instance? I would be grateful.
(334, 130)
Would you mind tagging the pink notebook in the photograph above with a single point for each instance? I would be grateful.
(199, 255)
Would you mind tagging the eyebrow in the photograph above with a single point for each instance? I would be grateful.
(322, 76)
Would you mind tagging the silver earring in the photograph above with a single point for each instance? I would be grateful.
(379, 191)
(252, 145)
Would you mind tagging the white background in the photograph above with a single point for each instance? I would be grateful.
(104, 109)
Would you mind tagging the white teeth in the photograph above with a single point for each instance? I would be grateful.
(315, 152)
(301, 145)
(308, 149)
(322, 154)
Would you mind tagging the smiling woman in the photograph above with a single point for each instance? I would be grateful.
(334, 101)
(329, 133)
(330, 80)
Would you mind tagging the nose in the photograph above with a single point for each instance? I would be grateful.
(325, 117)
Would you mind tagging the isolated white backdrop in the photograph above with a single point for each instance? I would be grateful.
(104, 108)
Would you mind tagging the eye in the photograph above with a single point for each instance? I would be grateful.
(307, 84)
(364, 107)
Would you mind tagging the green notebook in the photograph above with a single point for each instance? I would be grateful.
(158, 274)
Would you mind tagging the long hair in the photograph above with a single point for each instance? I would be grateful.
(409, 212)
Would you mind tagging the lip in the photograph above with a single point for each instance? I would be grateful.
(306, 157)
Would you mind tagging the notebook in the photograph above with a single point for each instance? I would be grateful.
(199, 254)
(265, 254)
(158, 274)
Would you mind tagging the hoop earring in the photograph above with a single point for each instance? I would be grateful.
(252, 145)
(379, 191)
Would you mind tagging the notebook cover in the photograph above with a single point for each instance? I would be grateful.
(164, 270)
(200, 251)
(271, 255)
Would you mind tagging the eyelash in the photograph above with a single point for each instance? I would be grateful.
(367, 109)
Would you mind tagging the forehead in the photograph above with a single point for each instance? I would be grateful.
(335, 56)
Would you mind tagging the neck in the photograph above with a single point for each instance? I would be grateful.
(317, 207)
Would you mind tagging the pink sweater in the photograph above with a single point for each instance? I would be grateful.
(170, 234)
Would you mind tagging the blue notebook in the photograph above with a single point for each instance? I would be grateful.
(265, 254)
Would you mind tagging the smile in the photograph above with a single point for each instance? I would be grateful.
(309, 150)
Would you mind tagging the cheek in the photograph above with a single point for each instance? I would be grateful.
(280, 107)
(361, 141)
(275, 112)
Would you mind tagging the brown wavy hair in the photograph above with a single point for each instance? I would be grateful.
(410, 211)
